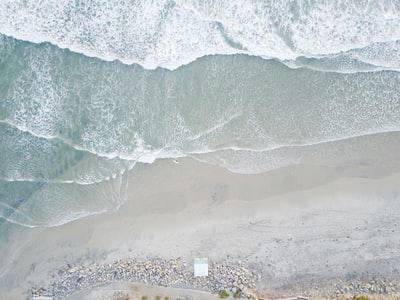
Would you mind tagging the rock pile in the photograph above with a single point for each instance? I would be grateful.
(234, 278)
(380, 287)
(156, 271)
(352, 288)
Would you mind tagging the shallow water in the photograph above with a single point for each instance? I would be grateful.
(73, 122)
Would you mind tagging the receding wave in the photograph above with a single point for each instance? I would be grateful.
(111, 112)
(73, 128)
(170, 33)
(35, 204)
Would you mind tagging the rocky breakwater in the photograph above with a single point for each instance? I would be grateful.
(178, 273)
(372, 287)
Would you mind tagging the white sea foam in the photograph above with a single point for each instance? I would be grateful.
(142, 152)
(58, 102)
(23, 219)
(136, 126)
(171, 33)
(55, 204)
(237, 163)
(341, 152)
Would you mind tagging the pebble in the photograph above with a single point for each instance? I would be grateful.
(156, 271)
(178, 273)
(340, 289)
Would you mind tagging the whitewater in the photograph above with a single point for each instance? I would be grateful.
(89, 90)
(169, 33)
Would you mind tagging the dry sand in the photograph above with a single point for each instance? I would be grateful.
(298, 226)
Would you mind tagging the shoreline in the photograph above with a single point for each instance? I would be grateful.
(297, 228)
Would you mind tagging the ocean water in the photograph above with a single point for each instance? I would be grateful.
(89, 89)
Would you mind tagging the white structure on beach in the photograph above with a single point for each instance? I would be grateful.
(200, 267)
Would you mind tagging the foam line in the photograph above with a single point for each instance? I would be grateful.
(170, 34)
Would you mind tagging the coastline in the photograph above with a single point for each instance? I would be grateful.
(173, 279)
(297, 228)
(146, 142)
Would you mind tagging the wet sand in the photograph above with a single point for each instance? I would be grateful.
(297, 227)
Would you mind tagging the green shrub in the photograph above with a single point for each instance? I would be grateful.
(355, 297)
(223, 294)
(236, 295)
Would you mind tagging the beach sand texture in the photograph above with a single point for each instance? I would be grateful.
(296, 226)
(141, 134)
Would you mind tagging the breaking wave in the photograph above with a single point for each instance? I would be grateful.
(336, 36)
(73, 127)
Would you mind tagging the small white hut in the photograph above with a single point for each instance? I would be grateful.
(200, 267)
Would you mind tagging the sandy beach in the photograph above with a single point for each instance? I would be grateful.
(298, 228)
(140, 136)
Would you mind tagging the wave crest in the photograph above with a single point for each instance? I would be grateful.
(171, 33)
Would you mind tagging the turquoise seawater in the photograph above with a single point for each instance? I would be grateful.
(87, 90)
